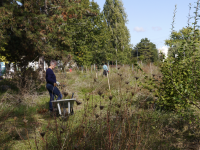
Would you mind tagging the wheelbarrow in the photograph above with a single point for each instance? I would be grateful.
(63, 104)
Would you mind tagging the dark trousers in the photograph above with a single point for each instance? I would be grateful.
(52, 92)
(105, 72)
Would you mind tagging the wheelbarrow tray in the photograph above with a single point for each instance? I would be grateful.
(64, 103)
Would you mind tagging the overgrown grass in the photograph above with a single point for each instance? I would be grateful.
(125, 121)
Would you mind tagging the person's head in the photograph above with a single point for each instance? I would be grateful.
(53, 63)
(105, 63)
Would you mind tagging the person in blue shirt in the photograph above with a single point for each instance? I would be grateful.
(52, 83)
(105, 69)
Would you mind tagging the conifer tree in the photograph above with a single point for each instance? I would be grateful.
(146, 51)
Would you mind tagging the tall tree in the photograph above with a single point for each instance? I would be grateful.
(116, 19)
(146, 51)
(42, 28)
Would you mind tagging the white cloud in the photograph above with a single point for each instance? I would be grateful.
(164, 49)
(156, 28)
(139, 29)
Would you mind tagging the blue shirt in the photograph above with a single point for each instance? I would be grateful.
(105, 67)
(50, 76)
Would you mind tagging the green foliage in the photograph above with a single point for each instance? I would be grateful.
(177, 38)
(146, 50)
(57, 29)
(179, 88)
(116, 19)
(181, 76)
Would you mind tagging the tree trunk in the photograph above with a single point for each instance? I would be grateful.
(41, 67)
(45, 7)
(1, 3)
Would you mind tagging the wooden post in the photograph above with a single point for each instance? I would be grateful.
(96, 72)
(108, 83)
(41, 66)
(132, 67)
(150, 68)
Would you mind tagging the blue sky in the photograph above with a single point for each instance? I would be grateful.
(153, 18)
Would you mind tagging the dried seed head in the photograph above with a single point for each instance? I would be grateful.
(102, 96)
(100, 93)
(117, 112)
(101, 107)
(97, 116)
(118, 68)
(122, 118)
(119, 105)
(87, 98)
(120, 74)
(136, 78)
(127, 82)
(153, 75)
(132, 93)
(61, 132)
(95, 106)
(95, 80)
(78, 103)
(42, 134)
(65, 94)
(110, 97)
